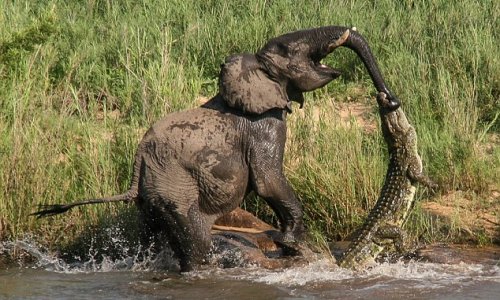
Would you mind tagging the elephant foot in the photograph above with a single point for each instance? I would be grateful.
(296, 249)
(293, 234)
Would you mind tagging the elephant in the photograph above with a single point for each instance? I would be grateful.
(193, 166)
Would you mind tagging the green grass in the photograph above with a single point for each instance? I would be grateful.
(81, 81)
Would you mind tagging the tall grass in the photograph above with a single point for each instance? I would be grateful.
(81, 81)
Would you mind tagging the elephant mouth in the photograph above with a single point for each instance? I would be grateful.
(324, 69)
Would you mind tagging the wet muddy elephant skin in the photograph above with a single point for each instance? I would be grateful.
(193, 166)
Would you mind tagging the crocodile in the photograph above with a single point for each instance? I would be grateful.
(382, 229)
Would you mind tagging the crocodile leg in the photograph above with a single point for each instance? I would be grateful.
(391, 234)
(421, 178)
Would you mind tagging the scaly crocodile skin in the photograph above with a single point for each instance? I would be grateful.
(383, 226)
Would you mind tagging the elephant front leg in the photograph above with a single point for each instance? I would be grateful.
(267, 178)
(280, 196)
(273, 187)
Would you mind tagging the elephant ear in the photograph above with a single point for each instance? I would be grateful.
(245, 86)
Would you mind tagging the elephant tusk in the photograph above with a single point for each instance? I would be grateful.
(338, 42)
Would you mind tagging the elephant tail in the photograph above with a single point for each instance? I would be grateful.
(55, 209)
(130, 195)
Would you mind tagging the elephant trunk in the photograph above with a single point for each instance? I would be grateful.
(343, 36)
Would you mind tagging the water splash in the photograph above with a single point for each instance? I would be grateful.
(27, 252)
(110, 251)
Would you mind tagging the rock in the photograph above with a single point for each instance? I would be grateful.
(240, 239)
(243, 219)
(236, 249)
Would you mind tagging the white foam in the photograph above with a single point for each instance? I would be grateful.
(318, 271)
(428, 274)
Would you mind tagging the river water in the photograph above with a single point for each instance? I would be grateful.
(127, 277)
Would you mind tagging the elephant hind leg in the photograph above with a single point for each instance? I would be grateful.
(188, 236)
(170, 204)
(198, 239)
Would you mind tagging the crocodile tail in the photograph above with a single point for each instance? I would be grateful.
(355, 253)
(130, 195)
(348, 258)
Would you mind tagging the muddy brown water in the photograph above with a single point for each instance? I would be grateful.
(454, 273)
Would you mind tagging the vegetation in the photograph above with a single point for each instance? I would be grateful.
(81, 81)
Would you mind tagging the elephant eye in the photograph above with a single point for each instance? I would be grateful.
(316, 57)
(282, 49)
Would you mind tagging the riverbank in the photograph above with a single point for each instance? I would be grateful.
(80, 82)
